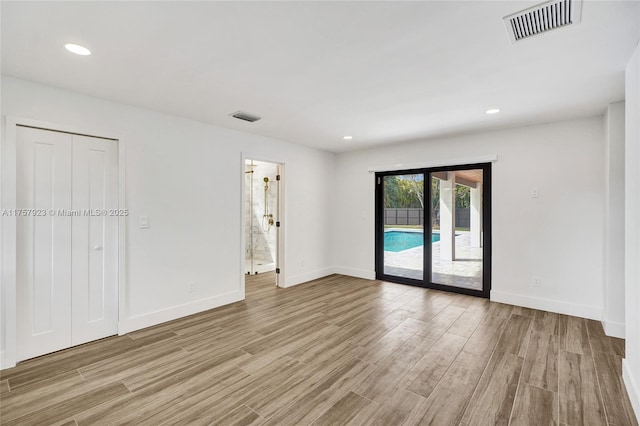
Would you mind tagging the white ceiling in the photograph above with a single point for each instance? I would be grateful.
(383, 72)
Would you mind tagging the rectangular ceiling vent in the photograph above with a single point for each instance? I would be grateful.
(542, 18)
(241, 115)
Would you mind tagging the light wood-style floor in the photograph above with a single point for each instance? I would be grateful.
(334, 351)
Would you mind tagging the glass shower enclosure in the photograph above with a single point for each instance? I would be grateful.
(261, 209)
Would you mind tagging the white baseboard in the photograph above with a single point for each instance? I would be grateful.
(632, 387)
(320, 273)
(613, 329)
(307, 276)
(157, 317)
(574, 309)
(358, 273)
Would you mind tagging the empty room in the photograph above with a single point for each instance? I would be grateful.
(320, 212)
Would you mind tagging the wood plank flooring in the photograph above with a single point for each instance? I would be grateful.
(334, 351)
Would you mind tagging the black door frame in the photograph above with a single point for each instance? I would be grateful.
(427, 267)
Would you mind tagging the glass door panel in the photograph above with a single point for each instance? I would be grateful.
(403, 224)
(456, 211)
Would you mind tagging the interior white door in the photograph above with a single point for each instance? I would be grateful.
(67, 241)
(95, 239)
(43, 242)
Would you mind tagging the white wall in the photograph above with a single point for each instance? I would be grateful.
(613, 315)
(631, 363)
(557, 237)
(187, 177)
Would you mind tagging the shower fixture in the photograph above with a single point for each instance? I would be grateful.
(267, 218)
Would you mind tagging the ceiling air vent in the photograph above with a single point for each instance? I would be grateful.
(241, 115)
(542, 18)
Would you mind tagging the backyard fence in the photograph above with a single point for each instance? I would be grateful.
(404, 217)
(415, 217)
(463, 217)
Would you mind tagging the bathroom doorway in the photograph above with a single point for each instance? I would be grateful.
(262, 221)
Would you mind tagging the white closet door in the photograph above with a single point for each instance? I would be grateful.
(44, 242)
(95, 239)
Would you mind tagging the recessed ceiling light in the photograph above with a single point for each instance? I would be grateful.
(77, 49)
(493, 111)
(347, 138)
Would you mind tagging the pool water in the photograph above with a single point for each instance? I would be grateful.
(398, 240)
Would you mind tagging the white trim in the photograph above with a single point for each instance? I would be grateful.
(614, 329)
(358, 273)
(243, 229)
(8, 248)
(574, 309)
(141, 321)
(8, 224)
(308, 276)
(434, 163)
(632, 387)
(122, 235)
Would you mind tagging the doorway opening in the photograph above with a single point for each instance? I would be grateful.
(262, 225)
(433, 228)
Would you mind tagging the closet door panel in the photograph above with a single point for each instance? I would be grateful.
(43, 241)
(95, 239)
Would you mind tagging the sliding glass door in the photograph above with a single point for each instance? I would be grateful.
(403, 234)
(433, 228)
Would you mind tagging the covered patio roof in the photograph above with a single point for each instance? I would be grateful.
(469, 178)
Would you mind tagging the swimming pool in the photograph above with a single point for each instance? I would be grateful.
(398, 240)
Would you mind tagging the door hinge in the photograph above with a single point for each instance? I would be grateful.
(277, 270)
(378, 181)
(278, 224)
(277, 177)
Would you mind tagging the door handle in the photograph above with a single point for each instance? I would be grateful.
(97, 247)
